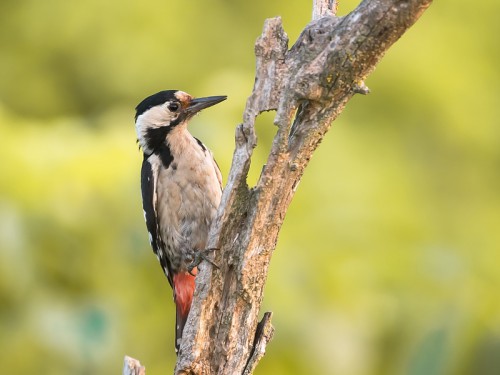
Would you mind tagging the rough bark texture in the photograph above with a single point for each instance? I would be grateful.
(132, 366)
(308, 85)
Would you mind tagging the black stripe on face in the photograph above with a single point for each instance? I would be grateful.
(165, 155)
(156, 141)
(155, 137)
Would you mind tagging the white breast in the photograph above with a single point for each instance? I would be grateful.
(188, 194)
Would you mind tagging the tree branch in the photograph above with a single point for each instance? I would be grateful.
(323, 8)
(263, 334)
(308, 85)
(132, 366)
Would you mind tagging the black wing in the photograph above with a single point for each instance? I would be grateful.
(149, 175)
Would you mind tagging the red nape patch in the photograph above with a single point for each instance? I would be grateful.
(184, 289)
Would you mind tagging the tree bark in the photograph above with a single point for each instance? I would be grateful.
(132, 366)
(308, 86)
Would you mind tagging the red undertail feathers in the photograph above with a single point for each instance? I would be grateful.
(183, 296)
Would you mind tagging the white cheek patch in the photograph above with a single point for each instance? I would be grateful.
(153, 118)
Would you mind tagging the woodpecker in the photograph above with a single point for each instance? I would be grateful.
(181, 189)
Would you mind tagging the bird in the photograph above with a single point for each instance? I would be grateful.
(181, 187)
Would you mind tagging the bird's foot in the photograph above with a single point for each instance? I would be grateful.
(200, 256)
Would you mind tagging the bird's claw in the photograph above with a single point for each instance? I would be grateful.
(200, 256)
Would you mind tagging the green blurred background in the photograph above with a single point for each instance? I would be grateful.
(388, 261)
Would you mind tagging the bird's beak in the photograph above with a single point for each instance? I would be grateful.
(197, 104)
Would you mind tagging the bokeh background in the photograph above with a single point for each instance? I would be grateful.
(388, 261)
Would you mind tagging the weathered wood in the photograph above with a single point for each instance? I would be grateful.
(263, 334)
(322, 8)
(132, 366)
(308, 85)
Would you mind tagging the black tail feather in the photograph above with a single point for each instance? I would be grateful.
(180, 322)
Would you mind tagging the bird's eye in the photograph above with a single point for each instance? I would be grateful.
(173, 107)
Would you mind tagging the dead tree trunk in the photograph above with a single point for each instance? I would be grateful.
(308, 86)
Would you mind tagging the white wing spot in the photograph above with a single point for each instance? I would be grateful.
(150, 238)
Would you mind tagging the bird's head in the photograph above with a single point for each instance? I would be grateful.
(158, 114)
